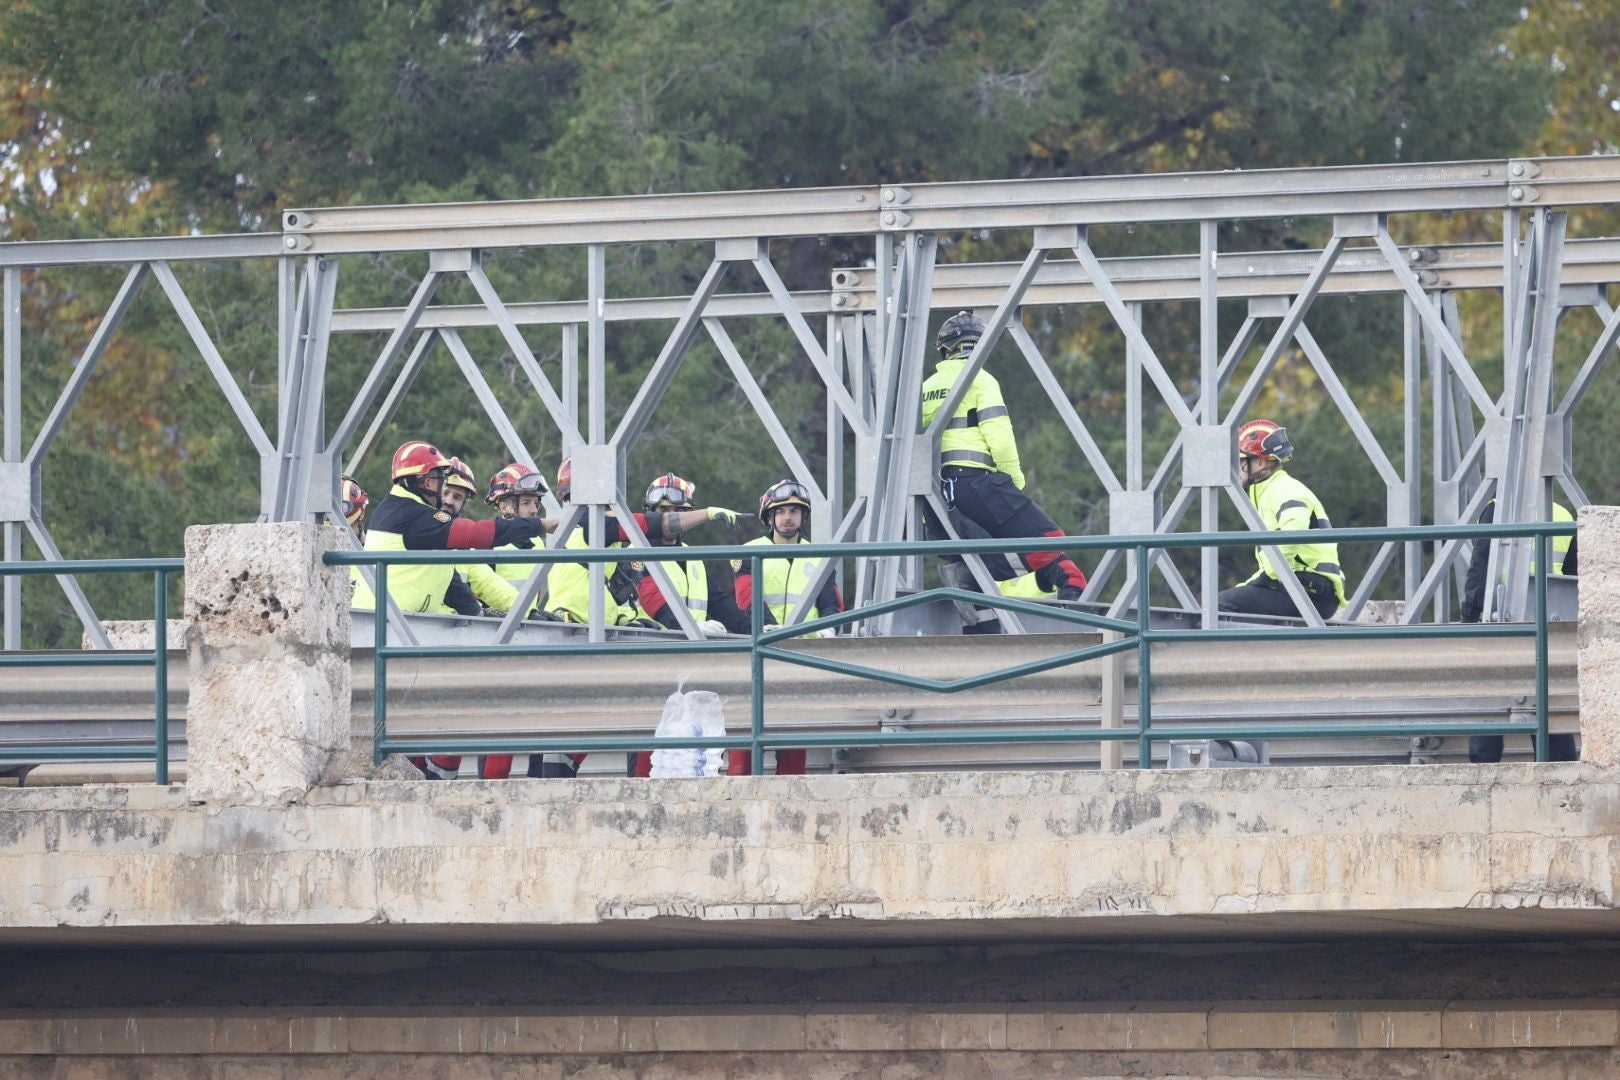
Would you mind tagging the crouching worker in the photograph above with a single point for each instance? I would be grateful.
(784, 510)
(1284, 505)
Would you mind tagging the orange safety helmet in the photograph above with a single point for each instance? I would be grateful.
(1265, 439)
(565, 478)
(516, 479)
(354, 500)
(417, 458)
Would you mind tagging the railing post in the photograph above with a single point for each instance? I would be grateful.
(1144, 664)
(756, 618)
(379, 670)
(1541, 647)
(1111, 752)
(160, 663)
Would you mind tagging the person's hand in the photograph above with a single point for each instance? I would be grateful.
(711, 627)
(830, 631)
(720, 513)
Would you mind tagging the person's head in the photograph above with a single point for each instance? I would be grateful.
(784, 510)
(459, 487)
(1263, 447)
(354, 501)
(565, 479)
(516, 491)
(958, 334)
(419, 468)
(670, 492)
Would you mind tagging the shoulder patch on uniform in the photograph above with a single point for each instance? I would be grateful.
(441, 515)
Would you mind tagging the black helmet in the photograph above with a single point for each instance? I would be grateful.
(962, 329)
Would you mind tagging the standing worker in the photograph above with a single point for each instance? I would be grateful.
(978, 457)
(412, 518)
(1487, 749)
(1284, 505)
(707, 589)
(784, 510)
(568, 592)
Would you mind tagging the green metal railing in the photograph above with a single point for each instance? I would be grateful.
(157, 751)
(1135, 634)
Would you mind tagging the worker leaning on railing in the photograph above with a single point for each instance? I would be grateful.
(412, 518)
(784, 510)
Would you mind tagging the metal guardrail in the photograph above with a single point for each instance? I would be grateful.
(157, 751)
(1134, 635)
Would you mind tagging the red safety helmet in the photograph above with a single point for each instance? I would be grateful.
(782, 493)
(516, 479)
(669, 488)
(354, 500)
(416, 458)
(1265, 439)
(565, 478)
(461, 476)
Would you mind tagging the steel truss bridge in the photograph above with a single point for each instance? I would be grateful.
(868, 337)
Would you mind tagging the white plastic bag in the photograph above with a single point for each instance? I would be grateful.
(690, 714)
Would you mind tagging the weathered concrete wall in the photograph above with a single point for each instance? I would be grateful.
(1438, 849)
(267, 628)
(1598, 651)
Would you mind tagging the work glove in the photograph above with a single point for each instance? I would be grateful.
(720, 513)
(711, 627)
(545, 616)
(831, 631)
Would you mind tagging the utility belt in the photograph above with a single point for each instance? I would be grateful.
(949, 474)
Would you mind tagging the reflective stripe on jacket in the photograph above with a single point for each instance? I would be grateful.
(1025, 587)
(980, 435)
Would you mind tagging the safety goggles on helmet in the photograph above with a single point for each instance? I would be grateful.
(354, 500)
(782, 493)
(515, 479)
(671, 489)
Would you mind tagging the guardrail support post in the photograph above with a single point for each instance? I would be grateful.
(267, 629)
(1598, 649)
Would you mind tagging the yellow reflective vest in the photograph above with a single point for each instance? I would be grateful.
(413, 588)
(568, 589)
(1286, 505)
(786, 582)
(980, 435)
(1025, 587)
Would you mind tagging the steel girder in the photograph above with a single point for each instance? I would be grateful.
(870, 358)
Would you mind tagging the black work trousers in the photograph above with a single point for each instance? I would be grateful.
(991, 501)
(1266, 596)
